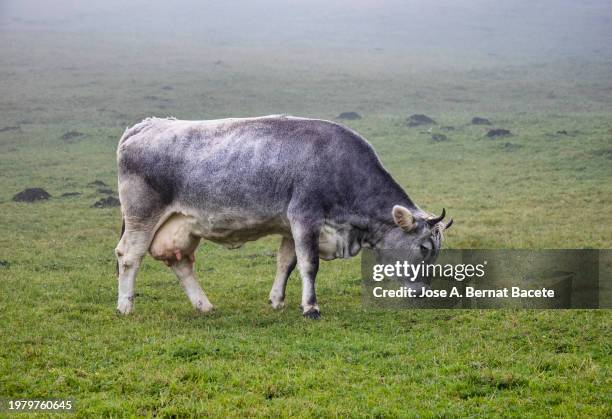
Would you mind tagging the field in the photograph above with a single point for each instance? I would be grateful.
(549, 185)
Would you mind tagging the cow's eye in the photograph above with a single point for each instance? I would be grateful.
(424, 249)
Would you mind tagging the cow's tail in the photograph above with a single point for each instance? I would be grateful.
(120, 236)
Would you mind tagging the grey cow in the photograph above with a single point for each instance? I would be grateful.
(317, 184)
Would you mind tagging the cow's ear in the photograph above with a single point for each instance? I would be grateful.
(403, 218)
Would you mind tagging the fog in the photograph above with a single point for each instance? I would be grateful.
(522, 28)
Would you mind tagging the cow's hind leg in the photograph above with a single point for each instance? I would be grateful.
(142, 208)
(184, 272)
(285, 263)
(131, 249)
(175, 244)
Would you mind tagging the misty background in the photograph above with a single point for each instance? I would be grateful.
(112, 62)
(518, 27)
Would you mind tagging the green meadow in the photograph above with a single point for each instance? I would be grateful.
(547, 186)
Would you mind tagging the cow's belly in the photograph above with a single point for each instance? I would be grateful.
(180, 234)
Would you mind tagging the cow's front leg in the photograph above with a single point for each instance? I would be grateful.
(285, 263)
(183, 269)
(306, 240)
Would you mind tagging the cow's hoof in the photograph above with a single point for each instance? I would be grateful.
(204, 308)
(312, 314)
(276, 304)
(125, 306)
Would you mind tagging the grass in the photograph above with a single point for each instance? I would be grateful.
(61, 337)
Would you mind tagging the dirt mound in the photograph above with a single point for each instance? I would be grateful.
(31, 195)
(480, 121)
(511, 146)
(498, 132)
(419, 119)
(108, 202)
(349, 115)
(97, 183)
(70, 194)
(603, 152)
(436, 138)
(71, 136)
(12, 128)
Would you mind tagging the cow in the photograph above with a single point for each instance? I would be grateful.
(316, 183)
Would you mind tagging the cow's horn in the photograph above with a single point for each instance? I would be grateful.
(449, 224)
(436, 220)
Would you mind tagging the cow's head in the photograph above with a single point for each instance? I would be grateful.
(418, 235)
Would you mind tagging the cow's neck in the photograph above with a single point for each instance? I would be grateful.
(379, 219)
(368, 217)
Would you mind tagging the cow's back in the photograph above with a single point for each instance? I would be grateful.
(254, 164)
